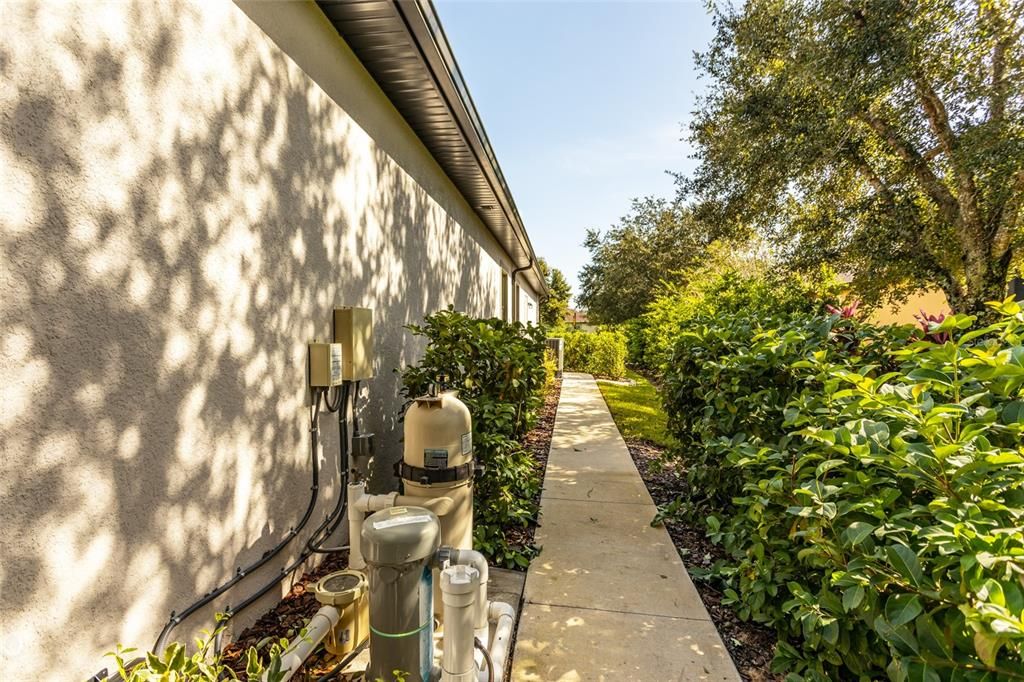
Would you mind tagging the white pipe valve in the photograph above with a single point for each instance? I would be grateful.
(459, 588)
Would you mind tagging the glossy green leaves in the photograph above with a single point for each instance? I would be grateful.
(868, 487)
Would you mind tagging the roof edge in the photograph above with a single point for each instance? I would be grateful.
(427, 31)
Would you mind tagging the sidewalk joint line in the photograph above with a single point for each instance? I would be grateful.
(624, 613)
(573, 499)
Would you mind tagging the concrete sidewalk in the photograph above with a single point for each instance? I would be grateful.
(608, 598)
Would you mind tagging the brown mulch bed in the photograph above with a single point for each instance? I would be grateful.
(286, 620)
(750, 645)
(538, 442)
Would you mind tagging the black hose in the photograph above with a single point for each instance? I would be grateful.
(241, 573)
(487, 657)
(315, 542)
(340, 665)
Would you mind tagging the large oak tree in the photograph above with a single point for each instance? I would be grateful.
(885, 137)
(653, 245)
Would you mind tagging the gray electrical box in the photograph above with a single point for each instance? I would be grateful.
(353, 329)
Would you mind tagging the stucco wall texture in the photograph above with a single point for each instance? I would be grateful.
(186, 191)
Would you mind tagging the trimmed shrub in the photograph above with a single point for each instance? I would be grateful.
(602, 353)
(498, 370)
(550, 370)
(867, 486)
(714, 296)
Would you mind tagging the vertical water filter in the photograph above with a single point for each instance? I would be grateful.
(438, 461)
(399, 545)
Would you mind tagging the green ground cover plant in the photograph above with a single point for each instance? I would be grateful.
(867, 484)
(601, 353)
(637, 410)
(498, 370)
(204, 664)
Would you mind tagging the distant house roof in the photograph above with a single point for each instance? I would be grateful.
(576, 316)
(403, 46)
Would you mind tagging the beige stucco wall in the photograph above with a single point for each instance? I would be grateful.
(183, 199)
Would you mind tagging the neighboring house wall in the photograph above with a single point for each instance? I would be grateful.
(529, 312)
(932, 302)
(182, 203)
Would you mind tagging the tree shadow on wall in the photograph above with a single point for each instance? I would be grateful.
(182, 248)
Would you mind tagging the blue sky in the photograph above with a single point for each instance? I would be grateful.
(584, 104)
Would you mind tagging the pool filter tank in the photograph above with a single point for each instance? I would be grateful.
(438, 461)
(399, 545)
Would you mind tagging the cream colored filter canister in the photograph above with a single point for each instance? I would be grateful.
(439, 438)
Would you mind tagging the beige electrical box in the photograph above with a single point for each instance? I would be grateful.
(353, 329)
(325, 364)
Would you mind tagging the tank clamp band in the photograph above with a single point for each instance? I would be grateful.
(428, 476)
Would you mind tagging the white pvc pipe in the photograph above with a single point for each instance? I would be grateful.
(356, 514)
(360, 504)
(459, 585)
(469, 557)
(322, 622)
(503, 616)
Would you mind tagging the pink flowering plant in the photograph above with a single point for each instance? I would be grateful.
(929, 323)
(845, 312)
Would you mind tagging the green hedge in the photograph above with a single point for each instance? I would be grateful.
(867, 486)
(602, 353)
(498, 369)
(712, 296)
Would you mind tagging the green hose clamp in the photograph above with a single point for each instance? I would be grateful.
(390, 635)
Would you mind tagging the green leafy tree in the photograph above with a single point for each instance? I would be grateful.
(498, 369)
(629, 263)
(885, 137)
(554, 307)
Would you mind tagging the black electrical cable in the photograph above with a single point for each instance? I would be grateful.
(338, 401)
(487, 657)
(241, 573)
(340, 665)
(332, 520)
(335, 518)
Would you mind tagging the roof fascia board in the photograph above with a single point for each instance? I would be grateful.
(426, 30)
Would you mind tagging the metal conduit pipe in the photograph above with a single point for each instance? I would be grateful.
(512, 278)
(299, 649)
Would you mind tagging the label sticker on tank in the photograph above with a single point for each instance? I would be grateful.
(401, 521)
(435, 458)
(467, 443)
